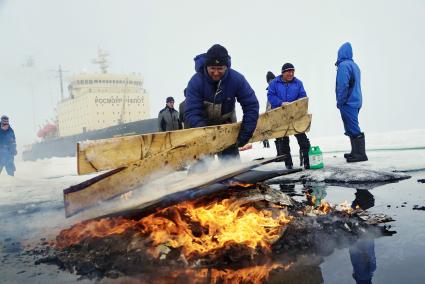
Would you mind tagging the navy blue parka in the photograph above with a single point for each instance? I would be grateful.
(201, 88)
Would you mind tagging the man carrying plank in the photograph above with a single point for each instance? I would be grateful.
(283, 90)
(211, 95)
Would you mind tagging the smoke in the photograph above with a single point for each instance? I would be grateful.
(162, 183)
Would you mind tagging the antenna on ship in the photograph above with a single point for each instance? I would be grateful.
(101, 60)
(61, 80)
(60, 72)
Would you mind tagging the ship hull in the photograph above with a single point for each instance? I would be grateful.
(67, 146)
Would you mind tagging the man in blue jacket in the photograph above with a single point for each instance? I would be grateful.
(7, 146)
(211, 95)
(349, 102)
(282, 90)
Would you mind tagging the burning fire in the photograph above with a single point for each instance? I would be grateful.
(318, 206)
(234, 183)
(97, 228)
(197, 230)
(324, 207)
(215, 226)
(254, 274)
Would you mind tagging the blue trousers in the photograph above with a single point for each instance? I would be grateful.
(7, 161)
(350, 118)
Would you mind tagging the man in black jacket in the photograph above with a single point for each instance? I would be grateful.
(168, 117)
(182, 107)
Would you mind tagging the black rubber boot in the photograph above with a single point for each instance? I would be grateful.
(282, 148)
(304, 144)
(359, 151)
(304, 160)
(288, 162)
(346, 155)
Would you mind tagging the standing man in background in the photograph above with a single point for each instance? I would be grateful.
(349, 102)
(269, 77)
(282, 90)
(168, 117)
(7, 147)
(182, 107)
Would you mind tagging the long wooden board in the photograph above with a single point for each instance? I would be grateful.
(99, 155)
(132, 175)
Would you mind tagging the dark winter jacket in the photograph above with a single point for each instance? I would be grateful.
(7, 142)
(348, 90)
(182, 106)
(168, 120)
(285, 92)
(213, 103)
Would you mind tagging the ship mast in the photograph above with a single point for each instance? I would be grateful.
(101, 60)
(59, 75)
(61, 81)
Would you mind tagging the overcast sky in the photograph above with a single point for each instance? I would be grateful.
(160, 38)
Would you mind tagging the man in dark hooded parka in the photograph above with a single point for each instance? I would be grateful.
(211, 95)
(7, 146)
(349, 102)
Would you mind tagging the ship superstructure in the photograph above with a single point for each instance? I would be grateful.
(101, 100)
(99, 105)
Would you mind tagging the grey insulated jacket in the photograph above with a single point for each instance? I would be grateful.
(168, 120)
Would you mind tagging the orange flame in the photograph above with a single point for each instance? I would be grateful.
(215, 226)
(236, 183)
(324, 207)
(95, 228)
(196, 230)
(254, 274)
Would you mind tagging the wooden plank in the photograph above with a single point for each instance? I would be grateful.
(113, 153)
(138, 172)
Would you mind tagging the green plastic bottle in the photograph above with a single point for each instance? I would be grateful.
(316, 158)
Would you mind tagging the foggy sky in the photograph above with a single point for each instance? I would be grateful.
(159, 39)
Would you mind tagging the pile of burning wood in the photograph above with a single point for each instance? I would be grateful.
(247, 231)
